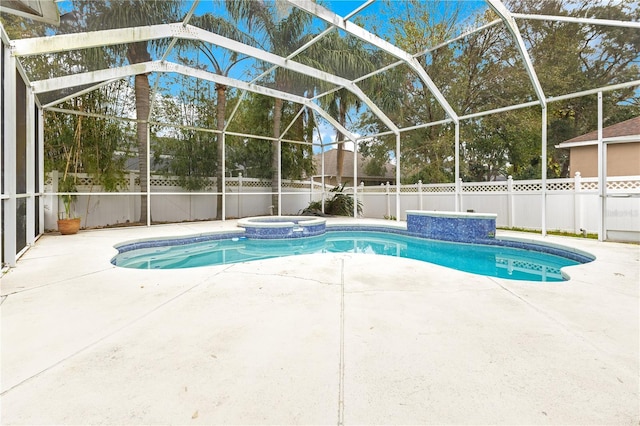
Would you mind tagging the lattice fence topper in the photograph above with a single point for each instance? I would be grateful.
(489, 187)
(86, 180)
(527, 187)
(374, 189)
(257, 184)
(439, 188)
(88, 183)
(623, 184)
(561, 186)
(161, 181)
(408, 189)
(588, 186)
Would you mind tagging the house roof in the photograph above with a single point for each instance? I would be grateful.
(625, 131)
(331, 165)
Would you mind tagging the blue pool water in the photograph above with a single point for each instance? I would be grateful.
(490, 260)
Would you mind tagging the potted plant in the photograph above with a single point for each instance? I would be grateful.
(68, 223)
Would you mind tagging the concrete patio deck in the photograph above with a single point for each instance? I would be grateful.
(324, 339)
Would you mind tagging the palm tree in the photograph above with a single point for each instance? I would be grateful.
(133, 13)
(222, 27)
(347, 58)
(281, 37)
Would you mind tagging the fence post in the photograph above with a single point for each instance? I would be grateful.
(420, 195)
(132, 199)
(459, 205)
(577, 203)
(510, 207)
(361, 194)
(239, 195)
(388, 200)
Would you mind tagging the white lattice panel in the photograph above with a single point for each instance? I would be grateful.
(408, 189)
(485, 188)
(89, 183)
(298, 185)
(162, 181)
(374, 189)
(256, 184)
(588, 186)
(623, 185)
(527, 187)
(443, 188)
(560, 186)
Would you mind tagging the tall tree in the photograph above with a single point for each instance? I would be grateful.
(348, 58)
(484, 71)
(132, 13)
(223, 63)
(282, 30)
(426, 152)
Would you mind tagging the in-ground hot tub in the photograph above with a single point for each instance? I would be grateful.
(271, 227)
(452, 226)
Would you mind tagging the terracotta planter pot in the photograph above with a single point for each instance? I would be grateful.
(68, 226)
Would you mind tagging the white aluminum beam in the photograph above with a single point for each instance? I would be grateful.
(66, 42)
(30, 166)
(507, 18)
(199, 34)
(359, 32)
(76, 94)
(8, 139)
(59, 83)
(87, 40)
(543, 166)
(332, 120)
(583, 21)
(602, 176)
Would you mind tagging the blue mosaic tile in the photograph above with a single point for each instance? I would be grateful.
(459, 229)
(278, 232)
(178, 241)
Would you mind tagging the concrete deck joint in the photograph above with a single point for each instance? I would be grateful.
(341, 369)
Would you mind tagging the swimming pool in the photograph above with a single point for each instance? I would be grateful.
(491, 260)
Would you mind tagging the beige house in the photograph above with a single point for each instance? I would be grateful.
(331, 169)
(622, 145)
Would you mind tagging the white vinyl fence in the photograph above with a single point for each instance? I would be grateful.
(572, 205)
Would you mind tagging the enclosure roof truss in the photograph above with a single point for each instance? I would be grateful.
(184, 31)
(68, 42)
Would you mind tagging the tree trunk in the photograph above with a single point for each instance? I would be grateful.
(136, 53)
(220, 120)
(275, 164)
